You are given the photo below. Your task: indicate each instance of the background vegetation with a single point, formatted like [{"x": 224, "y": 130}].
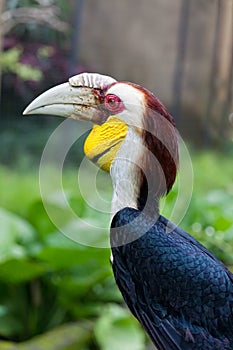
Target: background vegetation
[
  {"x": 46, "y": 280},
  {"x": 55, "y": 293}
]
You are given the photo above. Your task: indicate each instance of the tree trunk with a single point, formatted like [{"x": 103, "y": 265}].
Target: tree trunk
[{"x": 219, "y": 99}]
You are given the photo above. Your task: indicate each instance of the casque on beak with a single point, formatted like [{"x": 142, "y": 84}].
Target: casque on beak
[{"x": 80, "y": 99}]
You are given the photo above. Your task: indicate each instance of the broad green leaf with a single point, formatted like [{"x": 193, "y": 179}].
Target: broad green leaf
[
  {"x": 77, "y": 285},
  {"x": 67, "y": 337},
  {"x": 19, "y": 270},
  {"x": 116, "y": 329},
  {"x": 39, "y": 219},
  {"x": 73, "y": 336},
  {"x": 15, "y": 234},
  {"x": 10, "y": 325},
  {"x": 58, "y": 257}
]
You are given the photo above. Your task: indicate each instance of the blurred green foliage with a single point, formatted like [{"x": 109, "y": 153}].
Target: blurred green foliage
[
  {"x": 10, "y": 61},
  {"x": 49, "y": 282},
  {"x": 209, "y": 216}
]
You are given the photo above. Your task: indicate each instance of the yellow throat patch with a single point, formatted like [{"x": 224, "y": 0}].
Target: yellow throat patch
[{"x": 104, "y": 141}]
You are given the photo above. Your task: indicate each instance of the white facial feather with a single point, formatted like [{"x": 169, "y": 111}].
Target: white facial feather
[
  {"x": 125, "y": 167},
  {"x": 133, "y": 100}
]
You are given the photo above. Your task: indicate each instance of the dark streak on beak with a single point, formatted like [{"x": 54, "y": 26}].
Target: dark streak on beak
[{"x": 81, "y": 98}]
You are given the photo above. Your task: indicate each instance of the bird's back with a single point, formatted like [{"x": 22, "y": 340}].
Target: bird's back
[{"x": 179, "y": 291}]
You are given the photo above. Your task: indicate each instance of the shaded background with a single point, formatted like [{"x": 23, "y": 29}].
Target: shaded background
[{"x": 51, "y": 288}]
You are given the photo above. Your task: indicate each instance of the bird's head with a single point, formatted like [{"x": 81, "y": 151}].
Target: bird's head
[{"x": 128, "y": 120}]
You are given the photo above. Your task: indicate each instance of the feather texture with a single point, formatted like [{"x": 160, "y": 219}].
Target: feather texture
[{"x": 179, "y": 291}]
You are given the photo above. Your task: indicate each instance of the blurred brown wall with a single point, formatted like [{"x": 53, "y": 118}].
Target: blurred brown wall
[{"x": 138, "y": 41}]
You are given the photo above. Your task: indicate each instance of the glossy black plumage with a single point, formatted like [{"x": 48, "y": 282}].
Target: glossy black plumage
[{"x": 178, "y": 290}]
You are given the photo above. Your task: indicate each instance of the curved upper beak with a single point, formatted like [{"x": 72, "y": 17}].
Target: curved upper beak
[{"x": 79, "y": 98}]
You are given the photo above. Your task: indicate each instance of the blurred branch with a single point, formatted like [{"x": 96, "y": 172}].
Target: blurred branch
[{"x": 47, "y": 15}]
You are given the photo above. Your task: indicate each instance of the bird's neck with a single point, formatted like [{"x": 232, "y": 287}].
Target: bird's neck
[{"x": 129, "y": 186}]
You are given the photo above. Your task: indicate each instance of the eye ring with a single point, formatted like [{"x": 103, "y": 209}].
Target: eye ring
[{"x": 113, "y": 103}]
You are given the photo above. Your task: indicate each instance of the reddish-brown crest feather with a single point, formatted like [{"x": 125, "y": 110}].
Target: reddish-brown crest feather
[{"x": 160, "y": 138}]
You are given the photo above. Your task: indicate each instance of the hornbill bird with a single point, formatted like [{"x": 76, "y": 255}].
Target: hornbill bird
[{"x": 177, "y": 289}]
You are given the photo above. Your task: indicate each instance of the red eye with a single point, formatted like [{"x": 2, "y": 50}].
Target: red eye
[{"x": 113, "y": 103}]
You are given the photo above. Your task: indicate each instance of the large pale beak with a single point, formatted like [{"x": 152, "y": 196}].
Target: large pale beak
[{"x": 80, "y": 98}]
